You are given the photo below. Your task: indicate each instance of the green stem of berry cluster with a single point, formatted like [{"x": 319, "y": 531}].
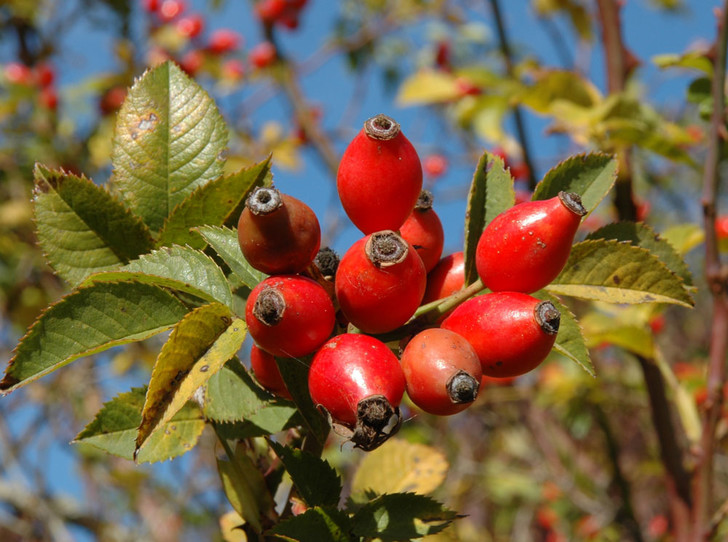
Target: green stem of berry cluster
[{"x": 431, "y": 312}]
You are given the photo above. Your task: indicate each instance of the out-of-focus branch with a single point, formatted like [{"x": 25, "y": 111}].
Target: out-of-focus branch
[
  {"x": 717, "y": 278},
  {"x": 517, "y": 116}
]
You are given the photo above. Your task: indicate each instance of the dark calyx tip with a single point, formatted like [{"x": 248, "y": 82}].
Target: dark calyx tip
[
  {"x": 381, "y": 127},
  {"x": 548, "y": 317},
  {"x": 327, "y": 261},
  {"x": 424, "y": 201},
  {"x": 385, "y": 248},
  {"x": 263, "y": 200},
  {"x": 376, "y": 421},
  {"x": 572, "y": 202},
  {"x": 462, "y": 388},
  {"x": 269, "y": 307}
]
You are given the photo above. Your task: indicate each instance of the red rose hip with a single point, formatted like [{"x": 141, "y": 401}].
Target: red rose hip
[
  {"x": 446, "y": 278},
  {"x": 380, "y": 282},
  {"x": 442, "y": 371},
  {"x": 524, "y": 248},
  {"x": 289, "y": 315},
  {"x": 379, "y": 176},
  {"x": 266, "y": 372},
  {"x": 511, "y": 332},
  {"x": 423, "y": 230},
  {"x": 278, "y": 234},
  {"x": 359, "y": 382}
]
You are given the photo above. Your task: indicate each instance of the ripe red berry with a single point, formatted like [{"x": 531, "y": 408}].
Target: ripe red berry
[
  {"x": 48, "y": 98},
  {"x": 151, "y": 6},
  {"x": 434, "y": 165},
  {"x": 171, "y": 9},
  {"x": 112, "y": 99},
  {"x": 423, "y": 230},
  {"x": 18, "y": 74},
  {"x": 190, "y": 26},
  {"x": 380, "y": 282},
  {"x": 511, "y": 332},
  {"x": 379, "y": 177},
  {"x": 192, "y": 62},
  {"x": 524, "y": 248},
  {"x": 289, "y": 315},
  {"x": 442, "y": 371},
  {"x": 267, "y": 373},
  {"x": 277, "y": 232},
  {"x": 446, "y": 278},
  {"x": 233, "y": 69},
  {"x": 359, "y": 382},
  {"x": 223, "y": 40},
  {"x": 263, "y": 55},
  {"x": 269, "y": 11},
  {"x": 44, "y": 75}
]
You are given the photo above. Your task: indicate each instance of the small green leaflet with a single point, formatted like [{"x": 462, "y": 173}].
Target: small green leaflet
[
  {"x": 89, "y": 320},
  {"x": 607, "y": 270},
  {"x": 82, "y": 228},
  {"x": 591, "y": 176},
  {"x": 115, "y": 428},
  {"x": 197, "y": 348},
  {"x": 231, "y": 395},
  {"x": 212, "y": 204},
  {"x": 224, "y": 241},
  {"x": 491, "y": 193},
  {"x": 169, "y": 140},
  {"x": 314, "y": 525},
  {"x": 180, "y": 268}
]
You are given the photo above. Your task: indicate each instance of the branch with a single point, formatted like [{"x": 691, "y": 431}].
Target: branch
[
  {"x": 717, "y": 280},
  {"x": 517, "y": 117}
]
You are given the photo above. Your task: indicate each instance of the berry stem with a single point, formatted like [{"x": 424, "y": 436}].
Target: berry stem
[{"x": 432, "y": 311}]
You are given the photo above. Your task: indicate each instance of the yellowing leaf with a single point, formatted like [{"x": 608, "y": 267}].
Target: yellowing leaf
[
  {"x": 428, "y": 87},
  {"x": 401, "y": 466},
  {"x": 230, "y": 524}
]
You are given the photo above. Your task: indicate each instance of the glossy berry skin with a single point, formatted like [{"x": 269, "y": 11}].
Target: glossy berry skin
[
  {"x": 263, "y": 55},
  {"x": 224, "y": 40},
  {"x": 524, "y": 248},
  {"x": 423, "y": 230},
  {"x": 442, "y": 371},
  {"x": 380, "y": 297},
  {"x": 289, "y": 316},
  {"x": 379, "y": 177},
  {"x": 447, "y": 277},
  {"x": 511, "y": 332},
  {"x": 266, "y": 372},
  {"x": 349, "y": 368},
  {"x": 277, "y": 233}
]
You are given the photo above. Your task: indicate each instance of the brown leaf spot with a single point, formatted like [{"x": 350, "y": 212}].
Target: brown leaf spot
[{"x": 616, "y": 279}]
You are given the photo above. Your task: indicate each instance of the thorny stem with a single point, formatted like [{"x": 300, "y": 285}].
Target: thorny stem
[
  {"x": 517, "y": 116},
  {"x": 717, "y": 279}
]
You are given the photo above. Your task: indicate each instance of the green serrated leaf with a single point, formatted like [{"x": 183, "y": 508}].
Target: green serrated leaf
[
  {"x": 115, "y": 427},
  {"x": 197, "y": 348},
  {"x": 570, "y": 342},
  {"x": 589, "y": 175},
  {"x": 400, "y": 466},
  {"x": 275, "y": 416},
  {"x": 87, "y": 321},
  {"x": 684, "y": 237},
  {"x": 552, "y": 86},
  {"x": 211, "y": 205},
  {"x": 224, "y": 241},
  {"x": 314, "y": 525},
  {"x": 169, "y": 140},
  {"x": 635, "y": 337},
  {"x": 231, "y": 395},
  {"x": 401, "y": 516},
  {"x": 180, "y": 268},
  {"x": 245, "y": 487},
  {"x": 491, "y": 193},
  {"x": 82, "y": 228},
  {"x": 615, "y": 272},
  {"x": 317, "y": 482},
  {"x": 641, "y": 235}
]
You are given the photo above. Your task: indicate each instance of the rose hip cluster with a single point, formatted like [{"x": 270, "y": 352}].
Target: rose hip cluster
[{"x": 381, "y": 281}]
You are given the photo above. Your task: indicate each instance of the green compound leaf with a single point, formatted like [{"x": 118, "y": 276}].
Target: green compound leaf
[
  {"x": 641, "y": 235},
  {"x": 89, "y": 320},
  {"x": 224, "y": 241},
  {"x": 197, "y": 348},
  {"x": 589, "y": 175},
  {"x": 491, "y": 193},
  {"x": 180, "y": 268},
  {"x": 314, "y": 525},
  {"x": 169, "y": 141},
  {"x": 115, "y": 428},
  {"x": 275, "y": 416},
  {"x": 570, "y": 341},
  {"x": 231, "y": 395},
  {"x": 212, "y": 204},
  {"x": 317, "y": 482},
  {"x": 607, "y": 270},
  {"x": 401, "y": 516},
  {"x": 82, "y": 228}
]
